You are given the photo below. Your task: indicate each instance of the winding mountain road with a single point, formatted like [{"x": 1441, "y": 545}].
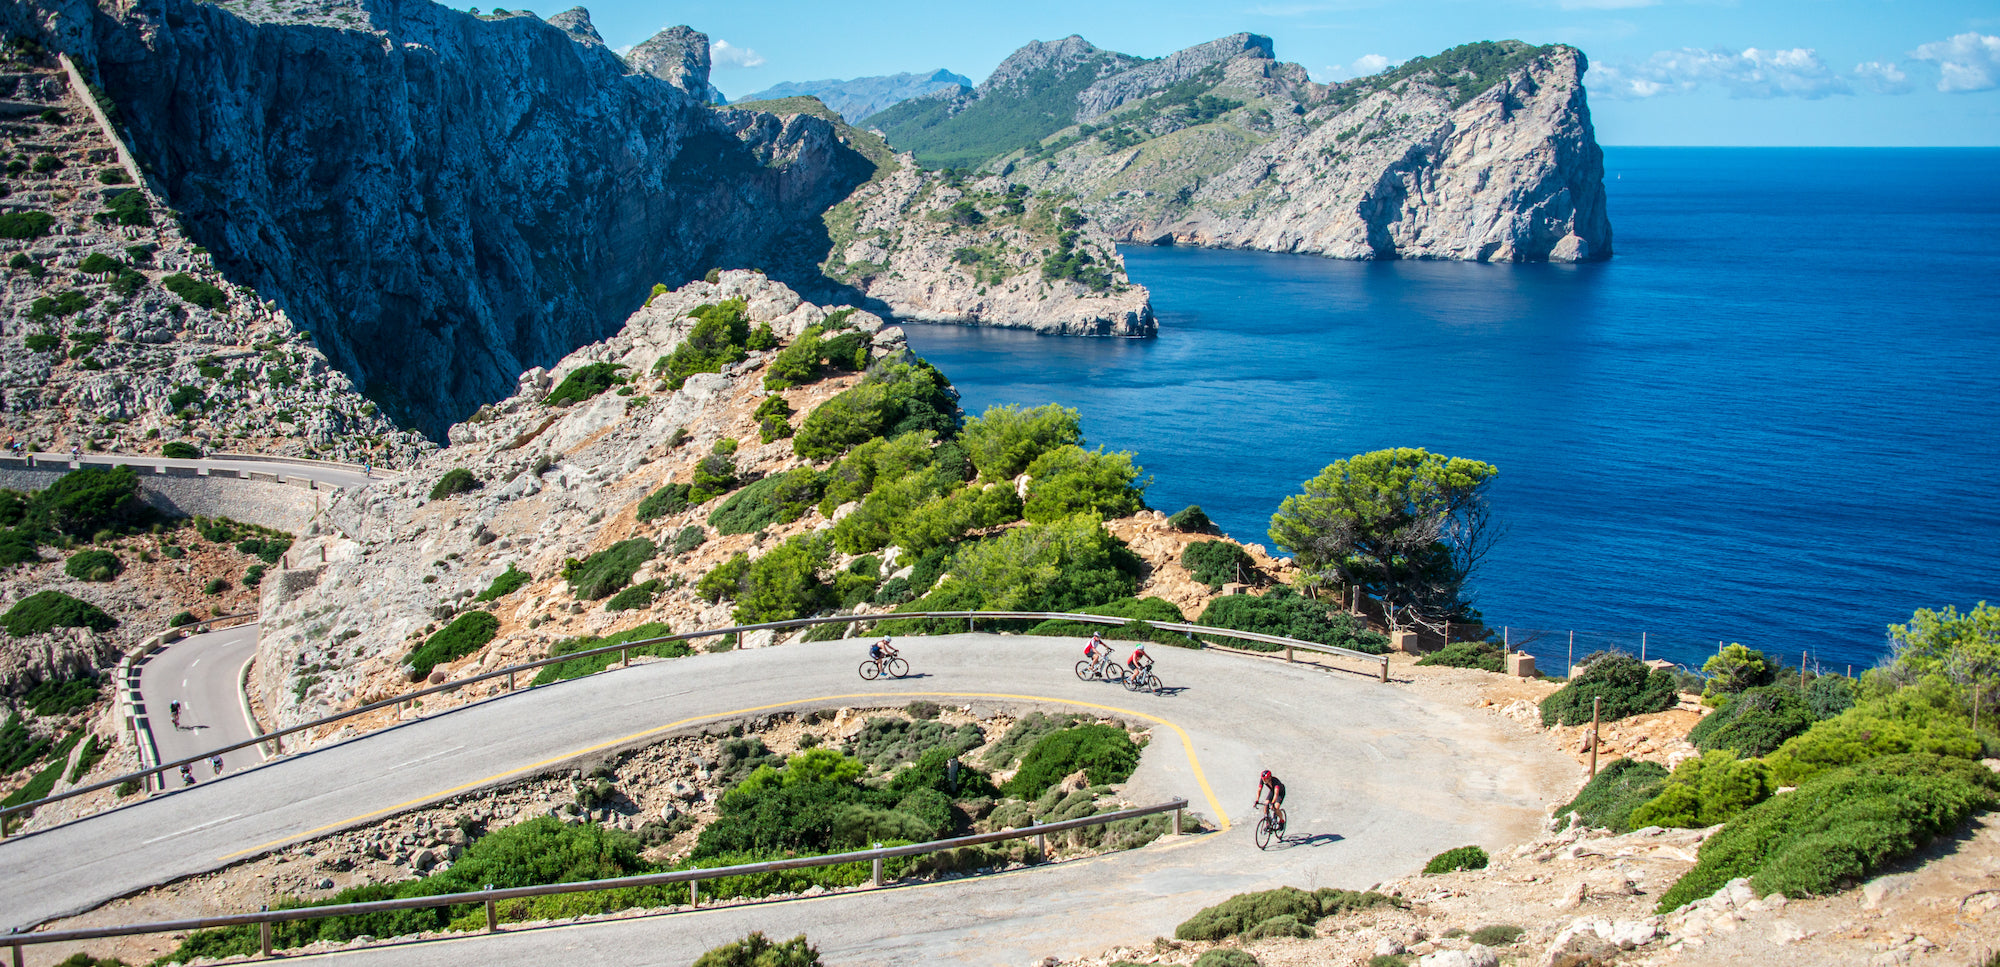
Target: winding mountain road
[
  {"x": 1379, "y": 780},
  {"x": 334, "y": 474},
  {"x": 204, "y": 673}
]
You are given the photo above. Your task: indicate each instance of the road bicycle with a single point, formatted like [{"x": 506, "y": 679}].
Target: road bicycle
[
  {"x": 1143, "y": 680},
  {"x": 1270, "y": 826},
  {"x": 1103, "y": 671},
  {"x": 892, "y": 667}
]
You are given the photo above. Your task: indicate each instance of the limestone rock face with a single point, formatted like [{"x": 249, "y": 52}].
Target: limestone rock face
[
  {"x": 1127, "y": 86},
  {"x": 446, "y": 200},
  {"x": 933, "y": 250},
  {"x": 1513, "y": 174}
]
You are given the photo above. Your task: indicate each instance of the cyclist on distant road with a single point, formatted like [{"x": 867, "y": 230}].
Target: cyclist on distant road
[
  {"x": 1140, "y": 661},
  {"x": 1096, "y": 650},
  {"x": 174, "y": 712},
  {"x": 215, "y": 762},
  {"x": 882, "y": 651},
  {"x": 187, "y": 775},
  {"x": 1272, "y": 792}
]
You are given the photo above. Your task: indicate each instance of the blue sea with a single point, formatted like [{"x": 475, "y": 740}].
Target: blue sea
[{"x": 1773, "y": 417}]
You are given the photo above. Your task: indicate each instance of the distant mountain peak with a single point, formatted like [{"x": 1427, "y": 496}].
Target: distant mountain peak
[
  {"x": 862, "y": 96},
  {"x": 679, "y": 56}
]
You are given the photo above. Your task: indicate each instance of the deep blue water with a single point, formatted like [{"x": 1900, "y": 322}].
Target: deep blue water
[{"x": 1773, "y": 418}]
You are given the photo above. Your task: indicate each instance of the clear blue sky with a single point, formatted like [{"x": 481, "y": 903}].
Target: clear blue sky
[{"x": 1711, "y": 72}]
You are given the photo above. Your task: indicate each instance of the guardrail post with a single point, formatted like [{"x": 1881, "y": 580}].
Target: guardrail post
[
  {"x": 492, "y": 915},
  {"x": 1288, "y": 653},
  {"x": 1385, "y": 671},
  {"x": 624, "y": 657},
  {"x": 1042, "y": 845},
  {"x": 264, "y": 930},
  {"x": 878, "y": 871},
  {"x": 510, "y": 681},
  {"x": 17, "y": 953},
  {"x": 1177, "y": 822},
  {"x": 694, "y": 893}
]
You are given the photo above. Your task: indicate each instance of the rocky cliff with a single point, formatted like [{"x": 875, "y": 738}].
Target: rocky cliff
[
  {"x": 862, "y": 96},
  {"x": 446, "y": 199},
  {"x": 1483, "y": 152}
]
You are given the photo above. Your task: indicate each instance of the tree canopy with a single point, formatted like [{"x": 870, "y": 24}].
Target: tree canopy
[{"x": 1406, "y": 526}]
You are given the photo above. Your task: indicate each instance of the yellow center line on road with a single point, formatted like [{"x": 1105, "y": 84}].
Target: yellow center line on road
[{"x": 1187, "y": 744}]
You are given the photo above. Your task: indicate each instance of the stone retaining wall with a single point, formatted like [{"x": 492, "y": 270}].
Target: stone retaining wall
[{"x": 185, "y": 491}]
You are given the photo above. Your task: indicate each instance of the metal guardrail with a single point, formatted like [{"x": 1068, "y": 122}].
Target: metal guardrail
[
  {"x": 692, "y": 878},
  {"x": 159, "y": 770}
]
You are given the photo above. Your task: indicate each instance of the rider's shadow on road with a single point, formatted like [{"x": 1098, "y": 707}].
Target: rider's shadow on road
[{"x": 1316, "y": 839}]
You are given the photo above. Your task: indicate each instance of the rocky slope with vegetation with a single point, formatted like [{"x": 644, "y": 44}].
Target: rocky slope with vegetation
[
  {"x": 857, "y": 98},
  {"x": 1483, "y": 152},
  {"x": 120, "y": 334}
]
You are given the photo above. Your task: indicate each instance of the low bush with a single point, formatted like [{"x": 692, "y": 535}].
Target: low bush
[
  {"x": 885, "y": 742},
  {"x": 1072, "y": 564},
  {"x": 1191, "y": 520},
  {"x": 26, "y": 225},
  {"x": 62, "y": 696},
  {"x": 183, "y": 618},
  {"x": 179, "y": 450},
  {"x": 785, "y": 583},
  {"x": 84, "y": 502},
  {"x": 1753, "y": 722},
  {"x": 1708, "y": 790},
  {"x": 1279, "y": 926},
  {"x": 1246, "y": 910},
  {"x": 506, "y": 583},
  {"x": 757, "y": 951},
  {"x": 1467, "y": 654},
  {"x": 1461, "y": 858},
  {"x": 215, "y": 586},
  {"x": 20, "y": 748},
  {"x": 18, "y": 546},
  {"x": 1226, "y": 957},
  {"x": 87, "y": 759},
  {"x": 46, "y": 610},
  {"x": 1215, "y": 563},
  {"x": 1004, "y": 440},
  {"x": 669, "y": 499},
  {"x": 267, "y": 549},
  {"x": 1734, "y": 669},
  {"x": 1283, "y": 612},
  {"x": 457, "y": 480},
  {"x": 777, "y": 499},
  {"x": 194, "y": 291},
  {"x": 690, "y": 537},
  {"x": 605, "y": 572},
  {"x": 717, "y": 339},
  {"x": 1625, "y": 684},
  {"x": 591, "y": 665},
  {"x": 1105, "y": 753},
  {"x": 895, "y": 398},
  {"x": 93, "y": 565},
  {"x": 1496, "y": 935},
  {"x": 1022, "y": 736},
  {"x": 1910, "y": 720},
  {"x": 583, "y": 383},
  {"x": 1607, "y": 801},
  {"x": 43, "y": 782},
  {"x": 1839, "y": 828},
  {"x": 635, "y": 597},
  {"x": 713, "y": 477},
  {"x": 466, "y": 634},
  {"x": 1139, "y": 610},
  {"x": 1071, "y": 480},
  {"x": 1828, "y": 696}
]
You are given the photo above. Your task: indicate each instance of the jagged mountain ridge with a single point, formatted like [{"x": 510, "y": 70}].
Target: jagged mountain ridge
[
  {"x": 447, "y": 199},
  {"x": 1483, "y": 152},
  {"x": 860, "y": 97}
]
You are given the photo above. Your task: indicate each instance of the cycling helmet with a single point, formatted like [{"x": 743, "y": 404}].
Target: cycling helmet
[{"x": 1267, "y": 774}]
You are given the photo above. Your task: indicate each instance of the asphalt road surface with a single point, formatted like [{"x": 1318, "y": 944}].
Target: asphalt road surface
[
  {"x": 337, "y": 475},
  {"x": 1379, "y": 781},
  {"x": 204, "y": 673}
]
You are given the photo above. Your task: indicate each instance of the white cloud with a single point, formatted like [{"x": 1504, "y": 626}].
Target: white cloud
[
  {"x": 724, "y": 55},
  {"x": 1797, "y": 72},
  {"x": 1363, "y": 66},
  {"x": 1967, "y": 62},
  {"x": 1882, "y": 77}
]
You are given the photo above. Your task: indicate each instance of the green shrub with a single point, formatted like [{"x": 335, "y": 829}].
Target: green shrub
[
  {"x": 756, "y": 951},
  {"x": 45, "y": 610},
  {"x": 724, "y": 580},
  {"x": 635, "y": 597},
  {"x": 185, "y": 396},
  {"x": 43, "y": 782},
  {"x": 506, "y": 583},
  {"x": 1453, "y": 860},
  {"x": 1246, "y": 910},
  {"x": 605, "y": 572},
  {"x": 591, "y": 665},
  {"x": 717, "y": 339},
  {"x": 777, "y": 499},
  {"x": 1734, "y": 669},
  {"x": 1215, "y": 563},
  {"x": 93, "y": 566},
  {"x": 178, "y": 450},
  {"x": 1191, "y": 520},
  {"x": 195, "y": 292},
  {"x": 25, "y": 225},
  {"x": 885, "y": 742},
  {"x": 1753, "y": 722},
  {"x": 1140, "y": 610},
  {"x": 583, "y": 383},
  {"x": 267, "y": 549},
  {"x": 784, "y": 583},
  {"x": 1906, "y": 721},
  {"x": 183, "y": 618},
  {"x": 894, "y": 399},
  {"x": 1284, "y": 613},
  {"x": 1071, "y": 480},
  {"x": 1022, "y": 736},
  {"x": 669, "y": 499},
  {"x": 93, "y": 752},
  {"x": 215, "y": 586},
  {"x": 941, "y": 520},
  {"x": 1467, "y": 654},
  {"x": 84, "y": 502},
  {"x": 42, "y": 341},
  {"x": 1706, "y": 791},
  {"x": 1828, "y": 696},
  {"x": 98, "y": 263},
  {"x": 1839, "y": 828},
  {"x": 62, "y": 696},
  {"x": 1105, "y": 753},
  {"x": 20, "y": 748},
  {"x": 1625, "y": 684},
  {"x": 253, "y": 575},
  {"x": 1226, "y": 957},
  {"x": 1004, "y": 440},
  {"x": 466, "y": 634},
  {"x": 1068, "y": 565},
  {"x": 457, "y": 480},
  {"x": 1607, "y": 801},
  {"x": 1279, "y": 926},
  {"x": 796, "y": 364},
  {"x": 1496, "y": 935},
  {"x": 690, "y": 537},
  {"x": 713, "y": 477},
  {"x": 773, "y": 419}
]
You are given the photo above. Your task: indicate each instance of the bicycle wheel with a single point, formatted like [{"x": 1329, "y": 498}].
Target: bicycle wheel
[
  {"x": 1135, "y": 681},
  {"x": 1114, "y": 672},
  {"x": 1083, "y": 670},
  {"x": 1264, "y": 832},
  {"x": 898, "y": 668},
  {"x": 869, "y": 671}
]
